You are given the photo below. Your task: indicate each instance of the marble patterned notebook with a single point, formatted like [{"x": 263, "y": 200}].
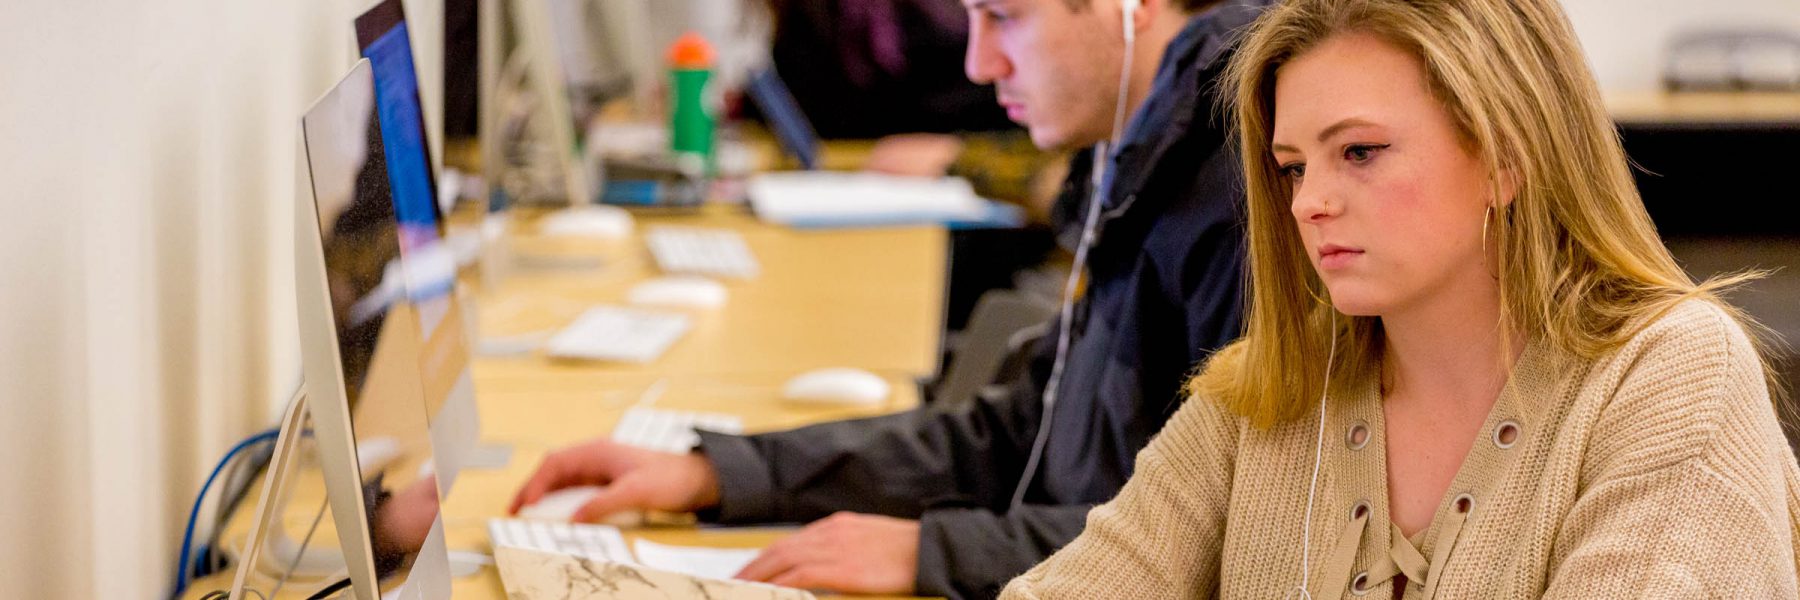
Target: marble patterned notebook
[{"x": 533, "y": 575}]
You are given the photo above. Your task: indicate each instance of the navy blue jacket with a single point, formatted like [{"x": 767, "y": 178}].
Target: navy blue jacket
[{"x": 1165, "y": 290}]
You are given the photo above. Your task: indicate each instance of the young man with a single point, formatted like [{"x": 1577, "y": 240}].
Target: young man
[{"x": 923, "y": 499}]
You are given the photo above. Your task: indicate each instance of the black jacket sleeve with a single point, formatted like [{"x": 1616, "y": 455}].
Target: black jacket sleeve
[
  {"x": 969, "y": 455},
  {"x": 972, "y": 553},
  {"x": 952, "y": 467}
]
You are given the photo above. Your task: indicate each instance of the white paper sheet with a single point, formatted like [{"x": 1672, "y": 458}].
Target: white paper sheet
[
  {"x": 711, "y": 563},
  {"x": 823, "y": 198}
]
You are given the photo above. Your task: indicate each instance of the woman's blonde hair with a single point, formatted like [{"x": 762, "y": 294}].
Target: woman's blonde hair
[{"x": 1580, "y": 264}]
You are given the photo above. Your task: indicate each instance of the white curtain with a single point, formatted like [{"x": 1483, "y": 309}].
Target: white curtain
[{"x": 147, "y": 175}]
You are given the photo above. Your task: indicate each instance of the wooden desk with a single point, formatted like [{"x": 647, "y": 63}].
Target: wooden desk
[
  {"x": 1697, "y": 159},
  {"x": 535, "y": 420},
  {"x": 1704, "y": 107},
  {"x": 869, "y": 299}
]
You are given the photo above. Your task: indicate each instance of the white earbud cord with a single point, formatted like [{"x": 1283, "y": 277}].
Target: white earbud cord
[
  {"x": 1313, "y": 488},
  {"x": 1066, "y": 313}
]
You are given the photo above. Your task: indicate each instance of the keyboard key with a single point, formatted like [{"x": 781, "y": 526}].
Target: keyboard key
[
  {"x": 691, "y": 250},
  {"x": 595, "y": 542},
  {"x": 619, "y": 334},
  {"x": 670, "y": 430}
]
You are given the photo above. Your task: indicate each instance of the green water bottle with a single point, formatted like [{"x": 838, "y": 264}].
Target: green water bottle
[{"x": 690, "y": 123}]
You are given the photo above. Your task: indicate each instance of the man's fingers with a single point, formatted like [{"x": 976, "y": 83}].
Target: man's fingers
[
  {"x": 621, "y": 496},
  {"x": 547, "y": 478},
  {"x": 806, "y": 577},
  {"x": 778, "y": 557}
]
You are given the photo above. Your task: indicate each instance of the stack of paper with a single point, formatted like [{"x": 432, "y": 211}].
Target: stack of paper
[
  {"x": 838, "y": 199},
  {"x": 534, "y": 575},
  {"x": 709, "y": 563}
]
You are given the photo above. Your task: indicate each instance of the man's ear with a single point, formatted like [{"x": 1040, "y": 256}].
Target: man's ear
[{"x": 1146, "y": 12}]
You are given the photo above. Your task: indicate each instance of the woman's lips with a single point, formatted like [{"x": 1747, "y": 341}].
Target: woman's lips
[{"x": 1332, "y": 256}]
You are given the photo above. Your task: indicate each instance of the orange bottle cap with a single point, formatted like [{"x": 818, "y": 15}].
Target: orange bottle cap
[{"x": 691, "y": 52}]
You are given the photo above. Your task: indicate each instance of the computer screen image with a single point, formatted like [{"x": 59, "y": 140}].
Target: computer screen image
[
  {"x": 362, "y": 348},
  {"x": 428, "y": 265},
  {"x": 381, "y": 35},
  {"x": 791, "y": 127}
]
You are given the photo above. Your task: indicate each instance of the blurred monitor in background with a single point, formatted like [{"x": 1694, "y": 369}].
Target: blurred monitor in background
[{"x": 870, "y": 68}]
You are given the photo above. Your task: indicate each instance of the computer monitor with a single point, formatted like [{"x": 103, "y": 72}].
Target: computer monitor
[
  {"x": 596, "y": 63},
  {"x": 533, "y": 137},
  {"x": 792, "y": 128},
  {"x": 427, "y": 261},
  {"x": 361, "y": 345}
]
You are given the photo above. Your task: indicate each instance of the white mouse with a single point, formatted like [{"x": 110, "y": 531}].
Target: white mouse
[
  {"x": 837, "y": 386},
  {"x": 680, "y": 290},
  {"x": 561, "y": 506},
  {"x": 592, "y": 221}
]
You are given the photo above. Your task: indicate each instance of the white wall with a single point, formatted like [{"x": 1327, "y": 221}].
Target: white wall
[
  {"x": 1624, "y": 39},
  {"x": 147, "y": 175}
]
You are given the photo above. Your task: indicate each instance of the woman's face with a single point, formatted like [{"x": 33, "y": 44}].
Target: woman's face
[{"x": 1388, "y": 199}]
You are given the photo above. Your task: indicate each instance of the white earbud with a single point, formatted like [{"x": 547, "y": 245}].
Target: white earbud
[
  {"x": 1300, "y": 592},
  {"x": 1130, "y": 8},
  {"x": 1052, "y": 387}
]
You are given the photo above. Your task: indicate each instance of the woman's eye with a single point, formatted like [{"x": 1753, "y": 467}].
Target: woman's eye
[
  {"x": 1362, "y": 152},
  {"x": 1292, "y": 171}
]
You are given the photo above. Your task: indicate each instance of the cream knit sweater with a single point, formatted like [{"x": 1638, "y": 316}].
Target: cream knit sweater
[{"x": 1656, "y": 472}]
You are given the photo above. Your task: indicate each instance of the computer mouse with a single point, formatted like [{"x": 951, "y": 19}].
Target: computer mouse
[
  {"x": 592, "y": 221},
  {"x": 836, "y": 386},
  {"x": 679, "y": 290},
  {"x": 561, "y": 506}
]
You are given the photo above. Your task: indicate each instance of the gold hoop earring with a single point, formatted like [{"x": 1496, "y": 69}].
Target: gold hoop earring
[{"x": 1493, "y": 269}]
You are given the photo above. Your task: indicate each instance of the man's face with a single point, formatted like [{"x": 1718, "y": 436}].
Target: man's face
[{"x": 1055, "y": 70}]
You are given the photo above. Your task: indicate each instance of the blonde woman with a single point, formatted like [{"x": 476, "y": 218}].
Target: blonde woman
[{"x": 1472, "y": 370}]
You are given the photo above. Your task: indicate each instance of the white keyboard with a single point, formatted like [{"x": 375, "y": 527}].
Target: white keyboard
[
  {"x": 619, "y": 334},
  {"x": 695, "y": 251},
  {"x": 593, "y": 542},
  {"x": 670, "y": 430}
]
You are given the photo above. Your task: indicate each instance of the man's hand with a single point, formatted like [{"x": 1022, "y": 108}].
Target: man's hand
[
  {"x": 403, "y": 521},
  {"x": 845, "y": 552},
  {"x": 633, "y": 478},
  {"x": 914, "y": 154}
]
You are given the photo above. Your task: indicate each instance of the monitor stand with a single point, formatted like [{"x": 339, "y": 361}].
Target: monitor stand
[
  {"x": 265, "y": 532},
  {"x": 269, "y": 541}
]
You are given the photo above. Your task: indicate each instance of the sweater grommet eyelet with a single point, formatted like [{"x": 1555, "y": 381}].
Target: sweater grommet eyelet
[
  {"x": 1463, "y": 503},
  {"x": 1360, "y": 509},
  {"x": 1506, "y": 434},
  {"x": 1357, "y": 437},
  {"x": 1359, "y": 585}
]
